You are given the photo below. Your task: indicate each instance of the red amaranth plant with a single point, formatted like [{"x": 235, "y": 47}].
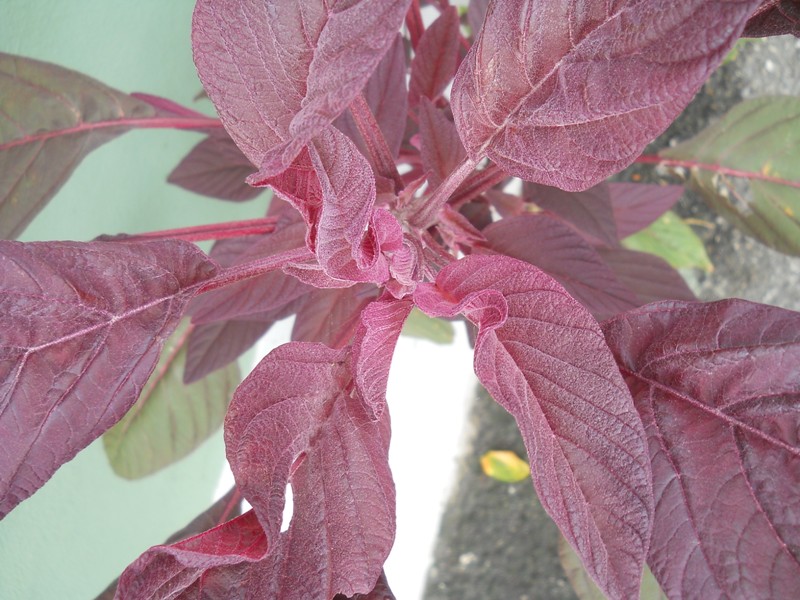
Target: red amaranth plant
[{"x": 665, "y": 434}]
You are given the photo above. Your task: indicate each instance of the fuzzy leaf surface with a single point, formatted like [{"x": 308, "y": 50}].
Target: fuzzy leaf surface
[
  {"x": 169, "y": 419},
  {"x": 566, "y": 93},
  {"x": 50, "y": 119},
  {"x": 292, "y": 421},
  {"x": 280, "y": 72},
  {"x": 81, "y": 329},
  {"x": 562, "y": 253},
  {"x": 718, "y": 389},
  {"x": 215, "y": 167},
  {"x": 762, "y": 136},
  {"x": 542, "y": 356}
]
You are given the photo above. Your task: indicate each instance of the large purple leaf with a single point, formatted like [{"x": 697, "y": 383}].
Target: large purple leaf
[
  {"x": 386, "y": 96},
  {"x": 718, "y": 389},
  {"x": 543, "y": 358},
  {"x": 562, "y": 253},
  {"x": 81, "y": 329},
  {"x": 215, "y": 167},
  {"x": 293, "y": 421},
  {"x": 591, "y": 211},
  {"x": 50, "y": 118},
  {"x": 436, "y": 58},
  {"x": 279, "y": 72},
  {"x": 566, "y": 93}
]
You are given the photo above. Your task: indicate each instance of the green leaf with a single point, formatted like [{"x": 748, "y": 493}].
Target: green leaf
[
  {"x": 673, "y": 240},
  {"x": 420, "y": 325},
  {"x": 505, "y": 466},
  {"x": 170, "y": 419},
  {"x": 747, "y": 169},
  {"x": 586, "y": 589},
  {"x": 50, "y": 119}
]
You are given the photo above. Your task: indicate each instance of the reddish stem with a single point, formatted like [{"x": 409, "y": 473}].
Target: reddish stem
[
  {"x": 414, "y": 23},
  {"x": 256, "y": 267},
  {"x": 650, "y": 159},
  {"x": 477, "y": 183},
  {"x": 428, "y": 213},
  {"x": 375, "y": 141},
  {"x": 146, "y": 123},
  {"x": 215, "y": 231}
]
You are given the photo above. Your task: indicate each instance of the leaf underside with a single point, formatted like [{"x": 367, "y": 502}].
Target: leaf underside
[
  {"x": 718, "y": 389},
  {"x": 81, "y": 329}
]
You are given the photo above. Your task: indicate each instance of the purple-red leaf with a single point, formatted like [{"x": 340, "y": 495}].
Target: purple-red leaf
[
  {"x": 649, "y": 277},
  {"x": 293, "y": 421},
  {"x": 211, "y": 346},
  {"x": 217, "y": 168},
  {"x": 440, "y": 146},
  {"x": 774, "y": 17},
  {"x": 81, "y": 329},
  {"x": 637, "y": 205},
  {"x": 330, "y": 316},
  {"x": 561, "y": 252},
  {"x": 218, "y": 564},
  {"x": 566, "y": 93},
  {"x": 386, "y": 96},
  {"x": 543, "y": 357},
  {"x": 436, "y": 58},
  {"x": 373, "y": 348},
  {"x": 280, "y": 72},
  {"x": 349, "y": 235},
  {"x": 591, "y": 211},
  {"x": 226, "y": 508},
  {"x": 381, "y": 591},
  {"x": 718, "y": 388}
]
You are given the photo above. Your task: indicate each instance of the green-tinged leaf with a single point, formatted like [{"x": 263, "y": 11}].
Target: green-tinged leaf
[
  {"x": 170, "y": 419},
  {"x": 420, "y": 325},
  {"x": 50, "y": 119},
  {"x": 586, "y": 589},
  {"x": 673, "y": 240},
  {"x": 505, "y": 466},
  {"x": 748, "y": 169}
]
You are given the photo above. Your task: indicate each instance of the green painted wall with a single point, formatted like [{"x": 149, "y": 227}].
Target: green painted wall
[{"x": 77, "y": 533}]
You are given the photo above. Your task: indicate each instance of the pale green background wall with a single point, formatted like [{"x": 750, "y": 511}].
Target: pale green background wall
[{"x": 76, "y": 534}]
